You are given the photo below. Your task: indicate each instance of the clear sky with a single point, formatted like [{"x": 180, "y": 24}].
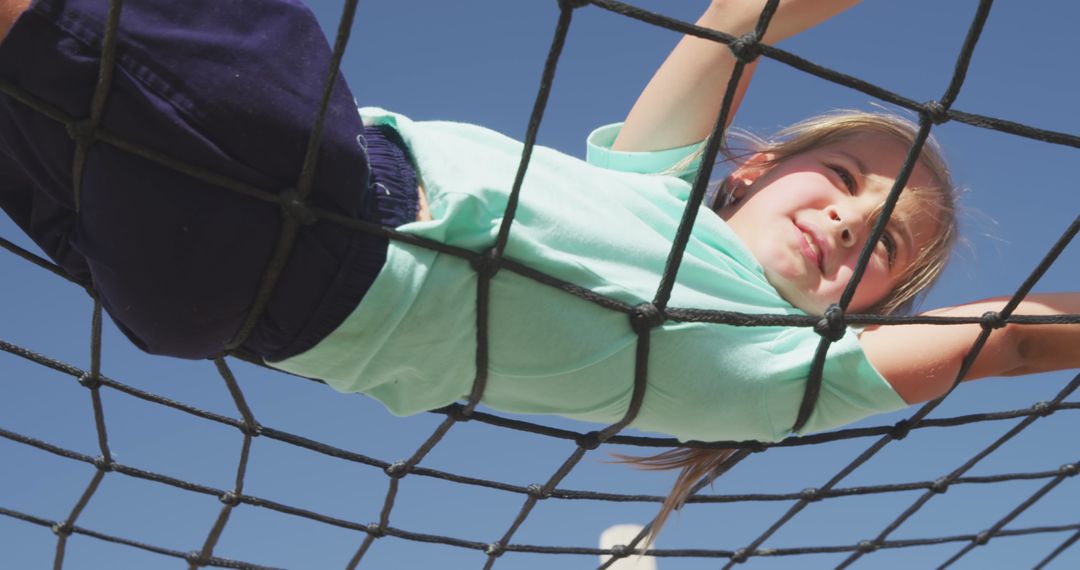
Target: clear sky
[{"x": 480, "y": 61}]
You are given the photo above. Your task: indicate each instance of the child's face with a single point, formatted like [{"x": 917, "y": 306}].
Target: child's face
[{"x": 806, "y": 219}]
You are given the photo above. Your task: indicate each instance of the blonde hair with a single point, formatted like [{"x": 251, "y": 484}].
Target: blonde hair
[{"x": 698, "y": 465}]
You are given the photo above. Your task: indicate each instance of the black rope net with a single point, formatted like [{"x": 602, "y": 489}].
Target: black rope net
[{"x": 368, "y": 528}]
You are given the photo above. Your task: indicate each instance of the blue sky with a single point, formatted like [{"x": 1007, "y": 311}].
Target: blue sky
[{"x": 479, "y": 61}]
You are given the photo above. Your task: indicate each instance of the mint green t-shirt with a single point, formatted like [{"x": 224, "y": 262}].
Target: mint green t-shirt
[{"x": 605, "y": 225}]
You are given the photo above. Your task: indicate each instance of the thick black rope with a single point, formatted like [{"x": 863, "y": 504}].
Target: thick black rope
[
  {"x": 746, "y": 50},
  {"x": 84, "y": 133},
  {"x": 213, "y": 561},
  {"x": 810, "y": 494},
  {"x": 92, "y": 382},
  {"x": 1061, "y": 548},
  {"x": 945, "y": 481},
  {"x": 988, "y": 534},
  {"x": 643, "y": 319},
  {"x": 295, "y": 212},
  {"x": 1039, "y": 409},
  {"x": 661, "y": 553}
]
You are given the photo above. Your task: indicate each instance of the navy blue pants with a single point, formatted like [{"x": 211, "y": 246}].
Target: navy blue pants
[{"x": 230, "y": 86}]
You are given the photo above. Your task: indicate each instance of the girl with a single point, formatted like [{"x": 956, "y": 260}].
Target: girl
[{"x": 177, "y": 261}]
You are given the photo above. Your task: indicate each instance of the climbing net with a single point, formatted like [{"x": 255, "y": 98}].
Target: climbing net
[{"x": 643, "y": 319}]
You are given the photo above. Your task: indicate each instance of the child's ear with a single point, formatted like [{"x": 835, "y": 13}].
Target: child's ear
[
  {"x": 753, "y": 168},
  {"x": 743, "y": 178}
]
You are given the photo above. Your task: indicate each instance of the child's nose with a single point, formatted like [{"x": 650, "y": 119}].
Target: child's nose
[{"x": 845, "y": 235}]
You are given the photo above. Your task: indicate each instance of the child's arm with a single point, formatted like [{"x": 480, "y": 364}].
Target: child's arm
[
  {"x": 922, "y": 361},
  {"x": 680, "y": 103},
  {"x": 10, "y": 10}
]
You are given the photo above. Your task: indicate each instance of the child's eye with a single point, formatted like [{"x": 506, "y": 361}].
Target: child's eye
[
  {"x": 845, "y": 177},
  {"x": 890, "y": 248}
]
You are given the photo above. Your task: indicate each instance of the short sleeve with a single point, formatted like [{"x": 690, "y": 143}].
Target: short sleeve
[
  {"x": 851, "y": 388},
  {"x": 599, "y": 153}
]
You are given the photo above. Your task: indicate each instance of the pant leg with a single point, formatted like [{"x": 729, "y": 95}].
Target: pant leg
[{"x": 228, "y": 86}]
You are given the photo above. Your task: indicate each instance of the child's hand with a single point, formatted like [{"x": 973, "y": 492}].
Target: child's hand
[{"x": 792, "y": 16}]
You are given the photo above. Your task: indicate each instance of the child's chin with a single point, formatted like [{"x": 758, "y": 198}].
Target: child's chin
[
  {"x": 797, "y": 298},
  {"x": 815, "y": 309}
]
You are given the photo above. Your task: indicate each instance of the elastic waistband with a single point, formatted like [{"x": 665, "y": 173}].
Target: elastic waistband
[
  {"x": 391, "y": 200},
  {"x": 393, "y": 184}
]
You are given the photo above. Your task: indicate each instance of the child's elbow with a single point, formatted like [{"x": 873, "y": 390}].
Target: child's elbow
[{"x": 1003, "y": 354}]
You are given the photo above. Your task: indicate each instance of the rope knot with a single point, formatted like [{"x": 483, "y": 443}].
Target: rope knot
[
  {"x": 537, "y": 491},
  {"x": 900, "y": 430},
  {"x": 589, "y": 441},
  {"x": 936, "y": 112},
  {"x": 195, "y": 558},
  {"x": 646, "y": 317},
  {"x": 230, "y": 498},
  {"x": 375, "y": 530},
  {"x": 1042, "y": 409},
  {"x": 486, "y": 264},
  {"x": 1069, "y": 469},
  {"x": 495, "y": 549},
  {"x": 982, "y": 538},
  {"x": 103, "y": 464},
  {"x": 82, "y": 131},
  {"x": 739, "y": 556},
  {"x": 746, "y": 47},
  {"x": 753, "y": 446},
  {"x": 62, "y": 529},
  {"x": 940, "y": 485},
  {"x": 458, "y": 414},
  {"x": 991, "y": 320},
  {"x": 252, "y": 429},
  {"x": 90, "y": 381},
  {"x": 831, "y": 325},
  {"x": 397, "y": 470},
  {"x": 810, "y": 494},
  {"x": 866, "y": 546},
  {"x": 293, "y": 205}
]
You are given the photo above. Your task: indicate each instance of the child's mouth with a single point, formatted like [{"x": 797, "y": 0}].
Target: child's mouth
[{"x": 814, "y": 249}]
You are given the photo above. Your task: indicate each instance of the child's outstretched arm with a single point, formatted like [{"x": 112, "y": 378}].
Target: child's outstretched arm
[
  {"x": 680, "y": 103},
  {"x": 922, "y": 361}
]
